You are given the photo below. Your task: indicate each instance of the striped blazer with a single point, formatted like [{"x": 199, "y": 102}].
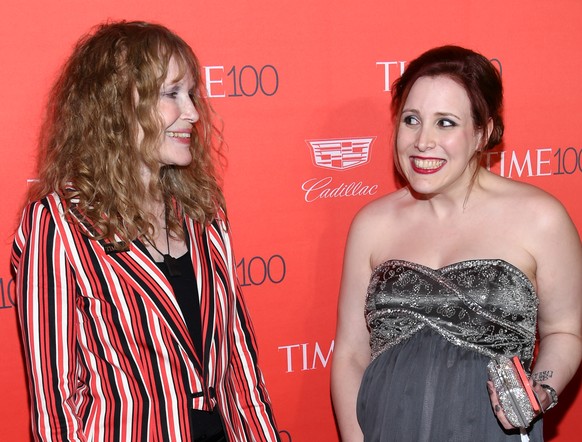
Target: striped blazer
[{"x": 108, "y": 354}]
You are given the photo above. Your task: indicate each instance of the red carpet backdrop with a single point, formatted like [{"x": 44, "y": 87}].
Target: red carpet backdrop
[{"x": 302, "y": 88}]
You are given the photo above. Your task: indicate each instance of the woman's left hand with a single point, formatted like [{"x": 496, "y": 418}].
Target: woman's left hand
[
  {"x": 497, "y": 409},
  {"x": 542, "y": 395}
]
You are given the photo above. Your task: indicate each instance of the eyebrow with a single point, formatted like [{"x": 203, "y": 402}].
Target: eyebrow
[
  {"x": 172, "y": 87},
  {"x": 175, "y": 82},
  {"x": 439, "y": 114}
]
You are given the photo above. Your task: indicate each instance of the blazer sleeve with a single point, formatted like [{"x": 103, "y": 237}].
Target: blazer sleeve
[
  {"x": 253, "y": 402},
  {"x": 252, "y": 399},
  {"x": 45, "y": 293}
]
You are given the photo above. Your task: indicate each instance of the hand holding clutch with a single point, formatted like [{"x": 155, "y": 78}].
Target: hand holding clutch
[{"x": 516, "y": 397}]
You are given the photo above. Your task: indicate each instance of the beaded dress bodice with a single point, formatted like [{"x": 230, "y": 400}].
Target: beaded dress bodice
[{"x": 486, "y": 305}]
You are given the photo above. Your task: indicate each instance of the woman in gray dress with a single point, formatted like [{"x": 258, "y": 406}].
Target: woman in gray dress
[{"x": 457, "y": 267}]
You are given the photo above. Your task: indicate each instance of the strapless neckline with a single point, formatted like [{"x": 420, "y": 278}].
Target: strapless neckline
[{"x": 466, "y": 263}]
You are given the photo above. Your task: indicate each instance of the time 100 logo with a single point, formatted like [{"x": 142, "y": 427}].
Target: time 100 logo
[
  {"x": 7, "y": 295},
  {"x": 258, "y": 270},
  {"x": 241, "y": 81}
]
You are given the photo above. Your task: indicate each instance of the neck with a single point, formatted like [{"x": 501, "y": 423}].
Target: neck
[{"x": 454, "y": 201}]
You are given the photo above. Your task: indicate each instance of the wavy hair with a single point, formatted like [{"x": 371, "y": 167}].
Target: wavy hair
[
  {"x": 474, "y": 73},
  {"x": 107, "y": 89}
]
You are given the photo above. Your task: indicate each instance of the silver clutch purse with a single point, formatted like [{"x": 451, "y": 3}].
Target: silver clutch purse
[{"x": 516, "y": 397}]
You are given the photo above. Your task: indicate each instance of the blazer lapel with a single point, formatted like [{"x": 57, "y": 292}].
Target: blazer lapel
[
  {"x": 204, "y": 271},
  {"x": 138, "y": 269}
]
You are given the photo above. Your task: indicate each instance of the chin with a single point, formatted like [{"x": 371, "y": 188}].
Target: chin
[
  {"x": 423, "y": 188},
  {"x": 182, "y": 159},
  {"x": 183, "y": 163}
]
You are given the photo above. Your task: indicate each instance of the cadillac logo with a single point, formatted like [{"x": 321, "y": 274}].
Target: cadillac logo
[{"x": 341, "y": 154}]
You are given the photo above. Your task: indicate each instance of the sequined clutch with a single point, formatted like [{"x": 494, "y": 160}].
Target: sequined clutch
[{"x": 516, "y": 396}]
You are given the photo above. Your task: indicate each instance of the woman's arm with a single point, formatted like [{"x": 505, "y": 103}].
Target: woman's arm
[
  {"x": 253, "y": 402},
  {"x": 252, "y": 399},
  {"x": 45, "y": 292},
  {"x": 558, "y": 255},
  {"x": 555, "y": 246},
  {"x": 352, "y": 348}
]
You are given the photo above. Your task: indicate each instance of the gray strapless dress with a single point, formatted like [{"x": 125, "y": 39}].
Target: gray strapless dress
[{"x": 432, "y": 333}]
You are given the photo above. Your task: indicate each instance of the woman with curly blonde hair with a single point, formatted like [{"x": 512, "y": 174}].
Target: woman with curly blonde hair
[{"x": 132, "y": 320}]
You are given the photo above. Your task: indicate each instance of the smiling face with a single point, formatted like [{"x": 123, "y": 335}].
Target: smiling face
[
  {"x": 436, "y": 139},
  {"x": 178, "y": 114}
]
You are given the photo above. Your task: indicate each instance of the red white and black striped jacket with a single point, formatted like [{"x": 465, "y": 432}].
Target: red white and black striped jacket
[{"x": 108, "y": 353}]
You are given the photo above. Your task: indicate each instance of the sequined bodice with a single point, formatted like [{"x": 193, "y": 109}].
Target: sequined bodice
[{"x": 485, "y": 305}]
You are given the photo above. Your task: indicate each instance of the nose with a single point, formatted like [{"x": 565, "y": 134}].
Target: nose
[
  {"x": 189, "y": 112},
  {"x": 425, "y": 139}
]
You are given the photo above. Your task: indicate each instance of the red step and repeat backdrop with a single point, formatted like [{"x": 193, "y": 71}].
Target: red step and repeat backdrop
[{"x": 291, "y": 81}]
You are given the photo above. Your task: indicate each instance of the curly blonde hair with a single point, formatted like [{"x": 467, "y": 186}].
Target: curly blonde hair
[{"x": 89, "y": 149}]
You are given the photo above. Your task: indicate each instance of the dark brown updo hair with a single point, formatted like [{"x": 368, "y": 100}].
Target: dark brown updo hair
[{"x": 474, "y": 72}]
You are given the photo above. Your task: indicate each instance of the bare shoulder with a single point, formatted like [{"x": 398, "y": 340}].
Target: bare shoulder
[
  {"x": 375, "y": 223},
  {"x": 380, "y": 212},
  {"x": 528, "y": 203}
]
